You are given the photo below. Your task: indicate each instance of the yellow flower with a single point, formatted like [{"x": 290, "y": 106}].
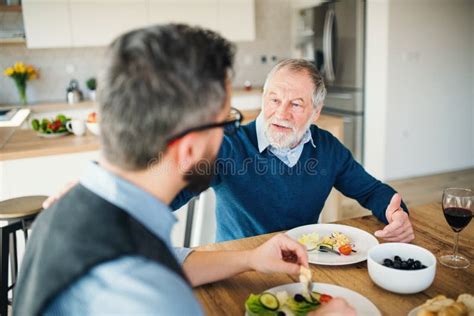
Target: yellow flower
[
  {"x": 19, "y": 67},
  {"x": 20, "y": 71},
  {"x": 9, "y": 71}
]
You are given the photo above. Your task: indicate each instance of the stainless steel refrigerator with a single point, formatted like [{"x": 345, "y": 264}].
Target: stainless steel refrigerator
[{"x": 333, "y": 36}]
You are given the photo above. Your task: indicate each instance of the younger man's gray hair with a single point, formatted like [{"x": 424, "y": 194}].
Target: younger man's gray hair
[{"x": 159, "y": 81}]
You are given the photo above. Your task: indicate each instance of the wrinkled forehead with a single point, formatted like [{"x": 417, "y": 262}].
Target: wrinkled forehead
[{"x": 286, "y": 83}]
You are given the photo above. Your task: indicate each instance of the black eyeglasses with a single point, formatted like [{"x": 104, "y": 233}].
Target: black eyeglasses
[{"x": 230, "y": 125}]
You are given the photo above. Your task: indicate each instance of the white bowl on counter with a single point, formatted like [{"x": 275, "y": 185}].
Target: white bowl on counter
[
  {"x": 401, "y": 281},
  {"x": 93, "y": 128}
]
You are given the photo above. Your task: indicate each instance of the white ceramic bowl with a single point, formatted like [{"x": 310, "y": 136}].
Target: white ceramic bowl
[
  {"x": 93, "y": 128},
  {"x": 401, "y": 281}
]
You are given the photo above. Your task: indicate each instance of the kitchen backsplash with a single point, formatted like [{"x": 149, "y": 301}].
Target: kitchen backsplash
[{"x": 58, "y": 66}]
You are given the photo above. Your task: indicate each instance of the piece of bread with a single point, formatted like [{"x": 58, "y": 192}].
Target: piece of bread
[
  {"x": 437, "y": 303},
  {"x": 440, "y": 305},
  {"x": 456, "y": 309},
  {"x": 424, "y": 312},
  {"x": 467, "y": 300}
]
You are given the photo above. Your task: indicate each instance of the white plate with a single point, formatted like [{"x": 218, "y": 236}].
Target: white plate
[
  {"x": 52, "y": 135},
  {"x": 414, "y": 311},
  {"x": 361, "y": 304},
  {"x": 362, "y": 241}
]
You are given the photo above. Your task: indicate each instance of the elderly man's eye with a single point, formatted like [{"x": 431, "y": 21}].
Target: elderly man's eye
[
  {"x": 274, "y": 100},
  {"x": 295, "y": 104}
]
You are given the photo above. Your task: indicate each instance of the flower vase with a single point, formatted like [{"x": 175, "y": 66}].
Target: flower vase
[{"x": 22, "y": 92}]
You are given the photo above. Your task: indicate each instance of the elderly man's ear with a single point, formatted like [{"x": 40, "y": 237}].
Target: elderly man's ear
[{"x": 317, "y": 113}]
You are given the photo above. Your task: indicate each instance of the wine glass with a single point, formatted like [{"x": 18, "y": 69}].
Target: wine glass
[{"x": 458, "y": 207}]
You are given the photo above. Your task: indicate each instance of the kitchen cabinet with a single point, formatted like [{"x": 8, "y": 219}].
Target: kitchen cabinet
[
  {"x": 97, "y": 23},
  {"x": 47, "y": 23},
  {"x": 81, "y": 23},
  {"x": 236, "y": 19},
  {"x": 193, "y": 12},
  {"x": 42, "y": 175},
  {"x": 305, "y": 4}
]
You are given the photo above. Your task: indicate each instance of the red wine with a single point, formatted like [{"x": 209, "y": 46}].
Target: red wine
[{"x": 457, "y": 217}]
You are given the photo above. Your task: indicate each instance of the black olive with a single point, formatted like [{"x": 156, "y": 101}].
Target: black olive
[
  {"x": 299, "y": 298},
  {"x": 417, "y": 265},
  {"x": 404, "y": 265},
  {"x": 387, "y": 262},
  {"x": 410, "y": 261},
  {"x": 397, "y": 265},
  {"x": 422, "y": 266},
  {"x": 397, "y": 258}
]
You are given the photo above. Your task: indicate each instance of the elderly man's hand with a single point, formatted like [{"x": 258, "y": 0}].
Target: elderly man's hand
[
  {"x": 399, "y": 228},
  {"x": 53, "y": 198},
  {"x": 279, "y": 254}
]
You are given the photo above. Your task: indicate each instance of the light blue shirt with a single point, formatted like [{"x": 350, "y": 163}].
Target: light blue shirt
[
  {"x": 130, "y": 285},
  {"x": 288, "y": 156}
]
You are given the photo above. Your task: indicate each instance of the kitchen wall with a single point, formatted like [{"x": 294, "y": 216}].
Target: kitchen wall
[
  {"x": 376, "y": 52},
  {"x": 58, "y": 66},
  {"x": 419, "y": 87}
]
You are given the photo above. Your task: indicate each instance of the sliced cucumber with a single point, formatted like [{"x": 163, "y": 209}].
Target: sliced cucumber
[
  {"x": 326, "y": 245},
  {"x": 269, "y": 301},
  {"x": 310, "y": 300},
  {"x": 315, "y": 296}
]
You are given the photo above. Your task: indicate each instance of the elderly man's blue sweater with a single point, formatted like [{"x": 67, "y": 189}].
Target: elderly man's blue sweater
[{"x": 257, "y": 193}]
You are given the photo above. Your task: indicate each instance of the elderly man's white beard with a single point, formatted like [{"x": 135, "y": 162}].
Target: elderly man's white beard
[{"x": 283, "y": 140}]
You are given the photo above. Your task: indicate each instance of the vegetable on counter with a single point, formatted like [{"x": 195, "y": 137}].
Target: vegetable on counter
[
  {"x": 51, "y": 126},
  {"x": 92, "y": 117}
]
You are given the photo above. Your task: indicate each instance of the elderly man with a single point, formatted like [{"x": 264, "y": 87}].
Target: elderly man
[{"x": 276, "y": 172}]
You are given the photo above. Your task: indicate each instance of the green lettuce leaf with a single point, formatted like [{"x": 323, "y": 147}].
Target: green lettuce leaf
[{"x": 255, "y": 308}]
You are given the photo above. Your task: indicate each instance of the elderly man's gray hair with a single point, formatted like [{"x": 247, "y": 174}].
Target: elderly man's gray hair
[
  {"x": 297, "y": 65},
  {"x": 159, "y": 81}
]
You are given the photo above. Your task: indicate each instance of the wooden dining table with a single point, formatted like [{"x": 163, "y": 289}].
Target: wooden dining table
[{"x": 431, "y": 232}]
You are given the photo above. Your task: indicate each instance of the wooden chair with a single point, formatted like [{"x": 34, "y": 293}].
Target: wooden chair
[{"x": 16, "y": 214}]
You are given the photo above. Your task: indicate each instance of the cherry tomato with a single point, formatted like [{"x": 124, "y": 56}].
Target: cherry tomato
[
  {"x": 325, "y": 298},
  {"x": 345, "y": 249}
]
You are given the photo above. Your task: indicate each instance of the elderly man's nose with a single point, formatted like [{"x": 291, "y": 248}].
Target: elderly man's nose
[{"x": 283, "y": 112}]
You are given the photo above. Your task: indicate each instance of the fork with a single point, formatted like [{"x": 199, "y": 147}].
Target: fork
[{"x": 324, "y": 249}]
